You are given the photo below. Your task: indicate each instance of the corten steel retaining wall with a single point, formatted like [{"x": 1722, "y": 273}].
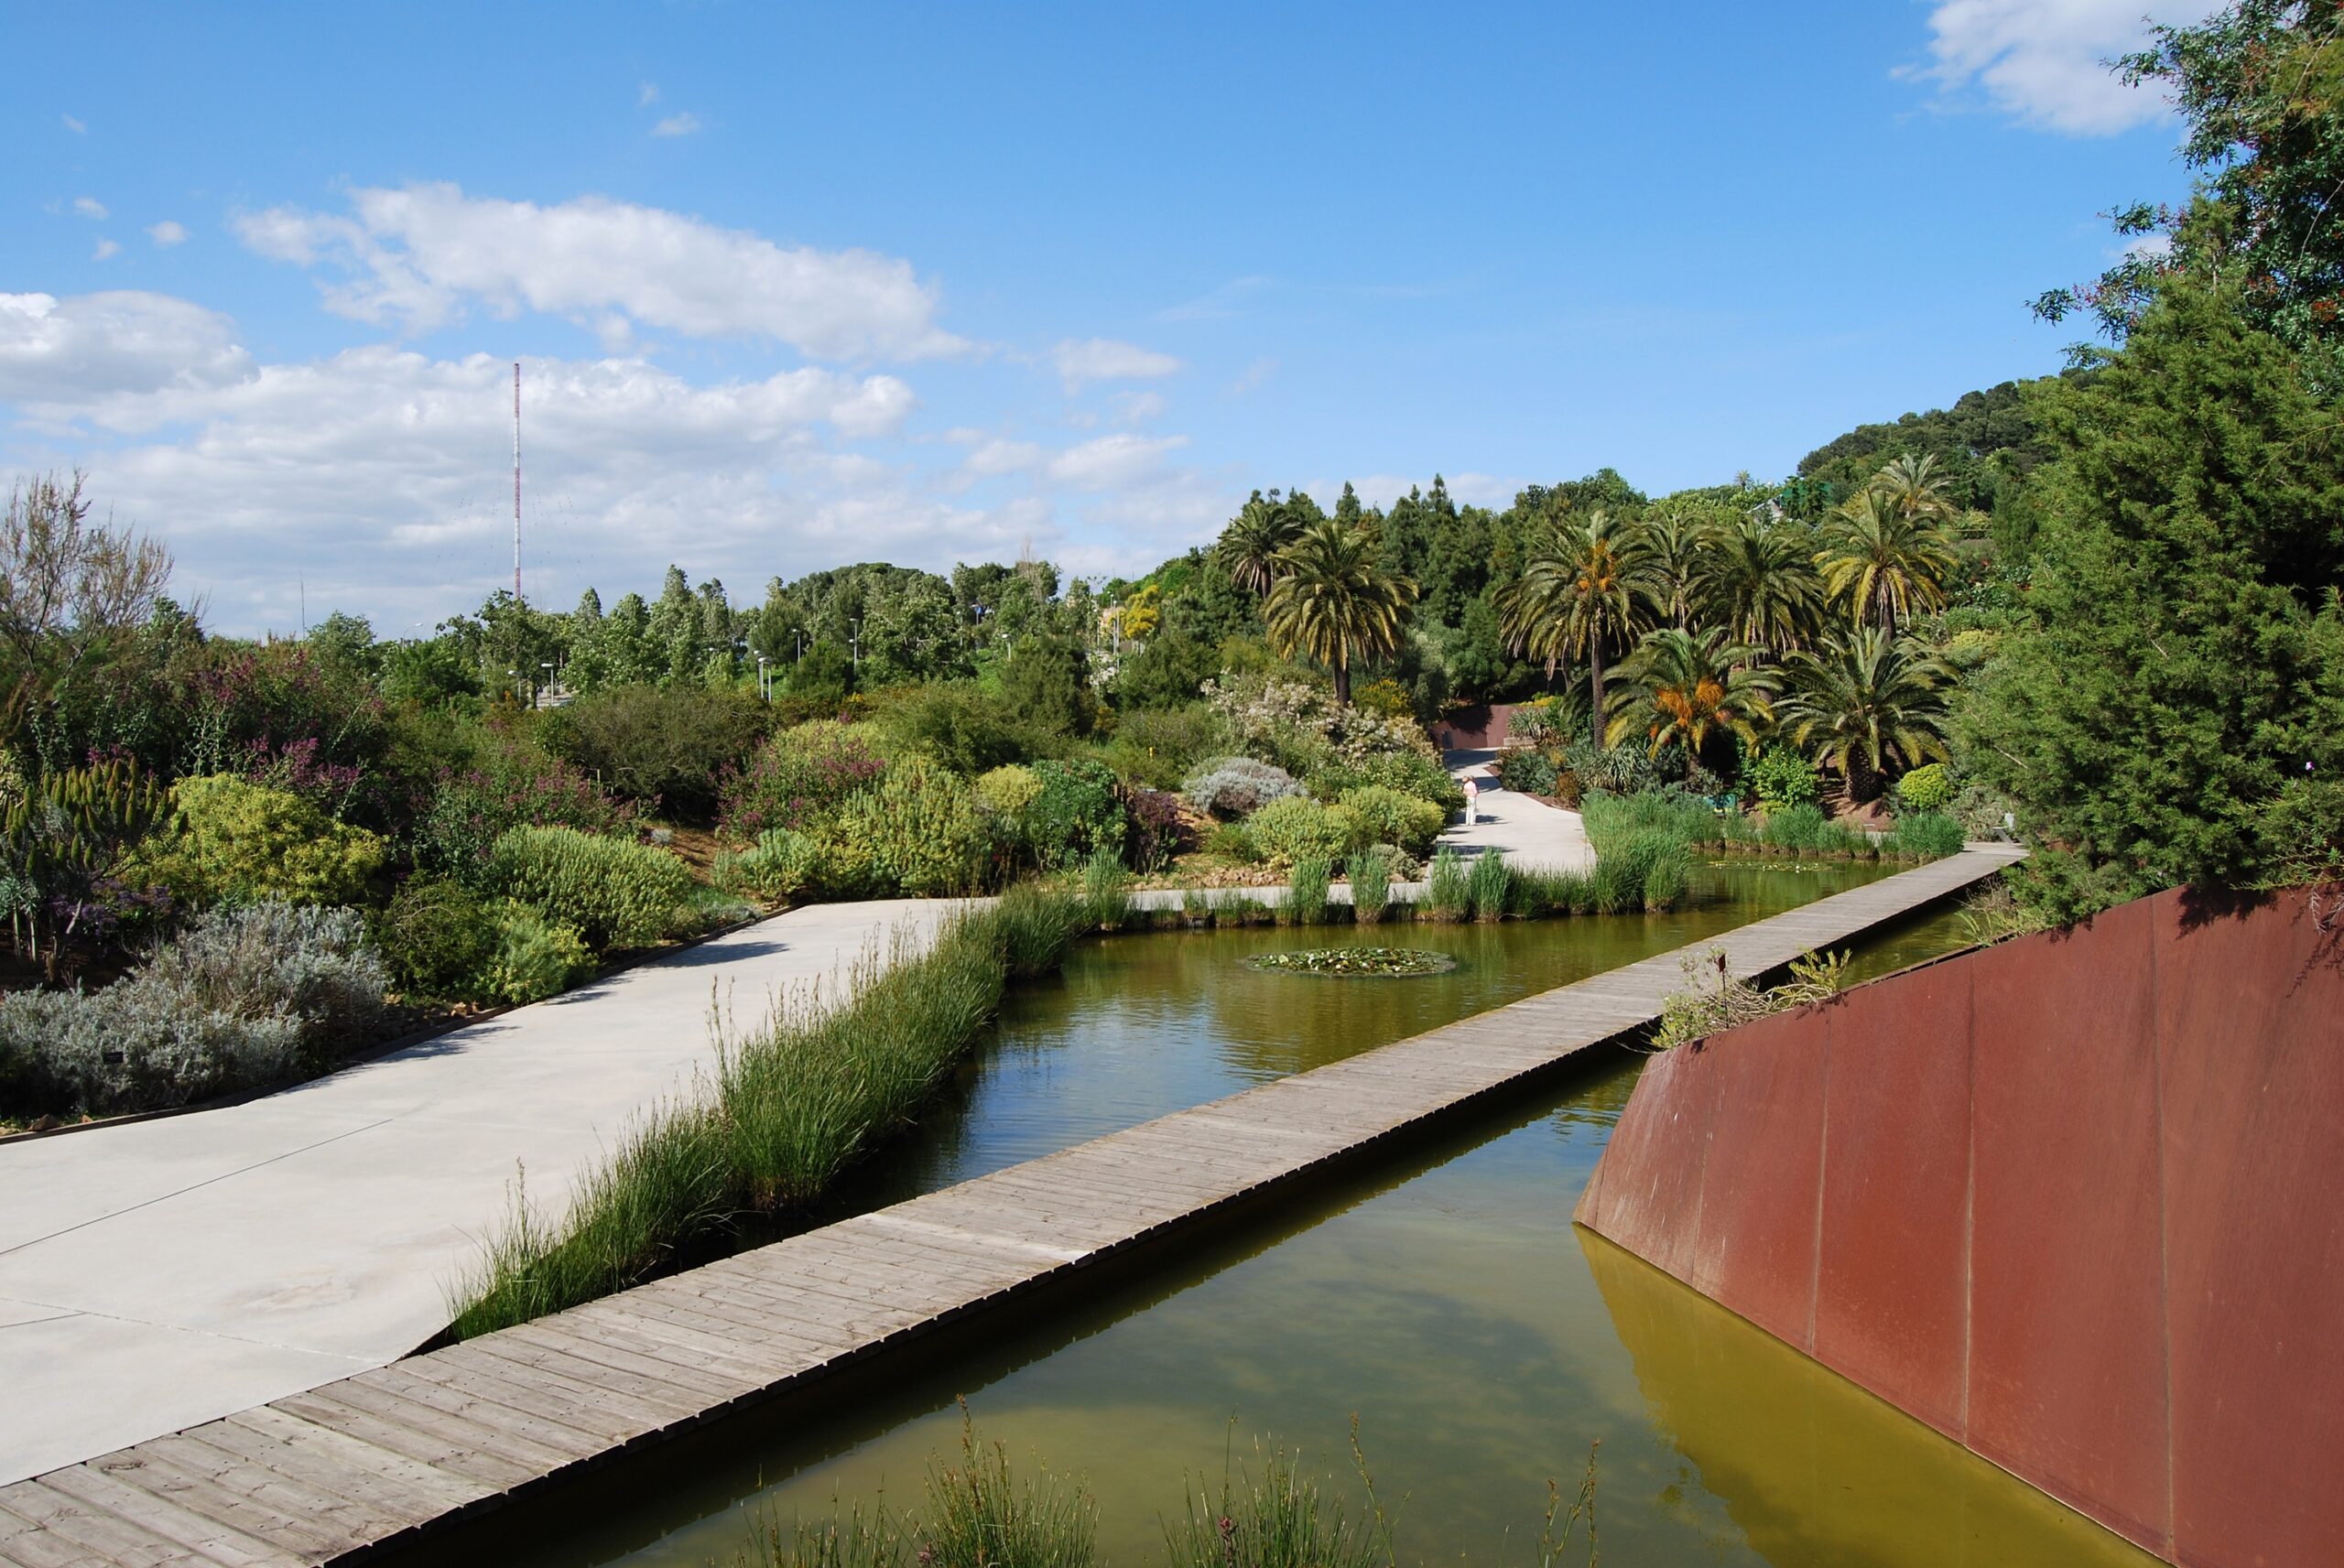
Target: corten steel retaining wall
[{"x": 2075, "y": 1201}]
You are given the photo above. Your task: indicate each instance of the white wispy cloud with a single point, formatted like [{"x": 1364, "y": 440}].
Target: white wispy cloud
[
  {"x": 648, "y": 96},
  {"x": 682, "y": 125},
  {"x": 106, "y": 250},
  {"x": 89, "y": 207},
  {"x": 2044, "y": 61},
  {"x": 419, "y": 256},
  {"x": 1113, "y": 463},
  {"x": 1104, "y": 359},
  {"x": 64, "y": 356},
  {"x": 74, "y": 125},
  {"x": 168, "y": 232},
  {"x": 1252, "y": 376}
]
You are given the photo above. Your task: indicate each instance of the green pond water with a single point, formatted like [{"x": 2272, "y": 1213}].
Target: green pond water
[{"x": 1483, "y": 1341}]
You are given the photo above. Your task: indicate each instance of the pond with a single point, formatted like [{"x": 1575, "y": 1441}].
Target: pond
[{"x": 1445, "y": 1300}]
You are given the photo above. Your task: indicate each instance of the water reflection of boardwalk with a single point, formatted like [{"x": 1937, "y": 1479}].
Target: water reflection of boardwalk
[{"x": 402, "y": 1448}]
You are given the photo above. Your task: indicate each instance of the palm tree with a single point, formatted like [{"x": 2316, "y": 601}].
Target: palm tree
[
  {"x": 1863, "y": 701},
  {"x": 1674, "y": 539},
  {"x": 1681, "y": 687},
  {"x": 1882, "y": 561},
  {"x": 1909, "y": 485},
  {"x": 1331, "y": 601},
  {"x": 1756, "y": 579},
  {"x": 1251, "y": 545},
  {"x": 1583, "y": 587}
]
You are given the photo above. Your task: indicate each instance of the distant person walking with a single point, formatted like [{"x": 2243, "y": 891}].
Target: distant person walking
[{"x": 1472, "y": 800}]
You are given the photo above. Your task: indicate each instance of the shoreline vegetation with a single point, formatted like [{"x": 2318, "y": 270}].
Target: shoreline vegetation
[{"x": 977, "y": 1510}]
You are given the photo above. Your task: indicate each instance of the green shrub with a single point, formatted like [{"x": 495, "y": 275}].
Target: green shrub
[
  {"x": 918, "y": 830},
  {"x": 1526, "y": 773},
  {"x": 436, "y": 937},
  {"x": 1781, "y": 779},
  {"x": 535, "y": 956},
  {"x": 1925, "y": 788},
  {"x": 1370, "y": 878},
  {"x": 1296, "y": 828},
  {"x": 1448, "y": 894},
  {"x": 1389, "y": 817},
  {"x": 665, "y": 747},
  {"x": 960, "y": 725},
  {"x": 1410, "y": 772},
  {"x": 1075, "y": 813},
  {"x": 1489, "y": 885},
  {"x": 615, "y": 893},
  {"x": 1925, "y": 835},
  {"x": 1161, "y": 747},
  {"x": 1009, "y": 793},
  {"x": 1230, "y": 840},
  {"x": 244, "y": 843},
  {"x": 1238, "y": 786},
  {"x": 1035, "y": 928},
  {"x": 1613, "y": 819},
  {"x": 1306, "y": 900},
  {"x": 1537, "y": 894}
]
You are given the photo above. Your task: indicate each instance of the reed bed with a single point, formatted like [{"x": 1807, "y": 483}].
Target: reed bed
[{"x": 791, "y": 1105}]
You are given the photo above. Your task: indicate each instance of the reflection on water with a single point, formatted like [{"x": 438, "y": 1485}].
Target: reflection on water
[{"x": 1445, "y": 1298}]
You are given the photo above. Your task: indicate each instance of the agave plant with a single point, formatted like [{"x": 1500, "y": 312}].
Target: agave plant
[{"x": 1863, "y": 702}]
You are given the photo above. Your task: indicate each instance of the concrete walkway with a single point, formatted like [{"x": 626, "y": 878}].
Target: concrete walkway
[
  {"x": 1531, "y": 834},
  {"x": 164, "y": 1272}
]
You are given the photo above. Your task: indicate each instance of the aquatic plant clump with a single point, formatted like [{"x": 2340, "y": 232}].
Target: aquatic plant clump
[{"x": 1352, "y": 963}]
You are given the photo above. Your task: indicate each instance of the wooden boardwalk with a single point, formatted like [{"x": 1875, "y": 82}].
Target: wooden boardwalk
[{"x": 375, "y": 1461}]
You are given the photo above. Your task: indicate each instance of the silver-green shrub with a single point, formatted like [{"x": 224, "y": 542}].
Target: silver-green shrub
[
  {"x": 245, "y": 997},
  {"x": 1238, "y": 786}
]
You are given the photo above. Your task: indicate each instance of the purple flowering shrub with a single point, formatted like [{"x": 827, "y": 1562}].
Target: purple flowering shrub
[
  {"x": 511, "y": 787},
  {"x": 1156, "y": 831}
]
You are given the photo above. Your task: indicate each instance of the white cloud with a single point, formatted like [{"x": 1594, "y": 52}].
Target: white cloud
[
  {"x": 63, "y": 353},
  {"x": 168, "y": 232},
  {"x": 1113, "y": 463},
  {"x": 418, "y": 256},
  {"x": 88, "y": 207},
  {"x": 1252, "y": 376},
  {"x": 105, "y": 251},
  {"x": 648, "y": 96},
  {"x": 2044, "y": 61},
  {"x": 74, "y": 125},
  {"x": 1104, "y": 359},
  {"x": 682, "y": 125},
  {"x": 1139, "y": 407}
]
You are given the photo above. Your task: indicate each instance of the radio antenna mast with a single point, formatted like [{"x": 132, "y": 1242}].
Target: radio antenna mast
[{"x": 516, "y": 482}]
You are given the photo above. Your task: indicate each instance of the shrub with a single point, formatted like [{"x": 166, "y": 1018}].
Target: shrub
[
  {"x": 1007, "y": 792},
  {"x": 1389, "y": 817},
  {"x": 1305, "y": 899},
  {"x": 1161, "y": 747},
  {"x": 1925, "y": 835},
  {"x": 244, "y": 843},
  {"x": 509, "y": 786},
  {"x": 1411, "y": 773},
  {"x": 1528, "y": 773},
  {"x": 616, "y": 894},
  {"x": 1781, "y": 779},
  {"x": 1035, "y": 929},
  {"x": 1448, "y": 894},
  {"x": 960, "y": 725},
  {"x": 1537, "y": 893},
  {"x": 799, "y": 777},
  {"x": 1238, "y": 786},
  {"x": 1158, "y": 832},
  {"x": 918, "y": 830},
  {"x": 1623, "y": 769},
  {"x": 534, "y": 956},
  {"x": 245, "y": 997},
  {"x": 1076, "y": 812},
  {"x": 665, "y": 748},
  {"x": 1611, "y": 819},
  {"x": 1713, "y": 998},
  {"x": 1298, "y": 828},
  {"x": 1371, "y": 877},
  {"x": 1232, "y": 841},
  {"x": 1806, "y": 830},
  {"x": 1489, "y": 884},
  {"x": 1925, "y": 788},
  {"x": 436, "y": 937}
]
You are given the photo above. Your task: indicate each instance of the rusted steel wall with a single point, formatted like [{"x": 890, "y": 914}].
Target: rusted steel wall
[
  {"x": 1481, "y": 728},
  {"x": 2075, "y": 1201}
]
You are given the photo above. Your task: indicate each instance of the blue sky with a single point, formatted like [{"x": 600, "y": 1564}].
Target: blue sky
[{"x": 798, "y": 286}]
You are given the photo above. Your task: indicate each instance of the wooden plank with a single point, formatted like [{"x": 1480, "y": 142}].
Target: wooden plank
[
  {"x": 493, "y": 1471},
  {"x": 95, "y": 1530},
  {"x": 520, "y": 1426},
  {"x": 211, "y": 1540},
  {"x": 150, "y": 1468}
]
